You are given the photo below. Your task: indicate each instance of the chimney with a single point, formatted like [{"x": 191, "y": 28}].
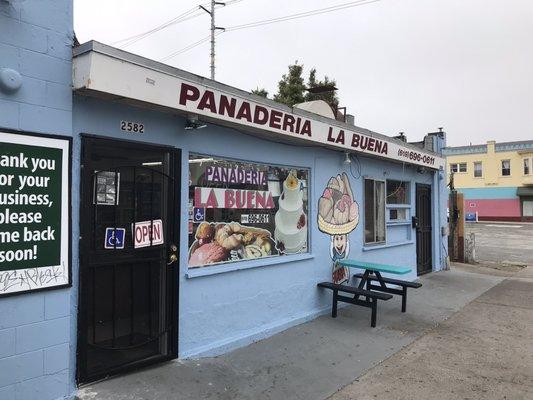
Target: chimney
[{"x": 491, "y": 146}]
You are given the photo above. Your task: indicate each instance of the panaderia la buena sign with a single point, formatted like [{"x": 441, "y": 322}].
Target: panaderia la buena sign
[{"x": 213, "y": 103}]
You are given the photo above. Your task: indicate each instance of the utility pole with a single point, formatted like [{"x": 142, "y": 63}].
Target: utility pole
[{"x": 213, "y": 29}]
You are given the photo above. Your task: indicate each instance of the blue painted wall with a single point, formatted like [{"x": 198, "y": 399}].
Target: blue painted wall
[
  {"x": 489, "y": 193},
  {"x": 222, "y": 311},
  {"x": 36, "y": 341}
]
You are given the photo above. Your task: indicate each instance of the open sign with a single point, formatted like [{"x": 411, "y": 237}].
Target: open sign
[{"x": 148, "y": 233}]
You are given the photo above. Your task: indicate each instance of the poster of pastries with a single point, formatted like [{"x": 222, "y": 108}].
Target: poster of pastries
[{"x": 244, "y": 210}]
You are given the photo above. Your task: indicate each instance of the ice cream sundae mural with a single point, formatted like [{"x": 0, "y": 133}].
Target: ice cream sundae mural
[{"x": 338, "y": 215}]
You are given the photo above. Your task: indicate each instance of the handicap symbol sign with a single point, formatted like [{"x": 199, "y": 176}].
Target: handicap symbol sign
[
  {"x": 114, "y": 238},
  {"x": 199, "y": 214}
]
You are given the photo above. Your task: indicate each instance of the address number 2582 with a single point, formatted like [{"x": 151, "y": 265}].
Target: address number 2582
[{"x": 128, "y": 126}]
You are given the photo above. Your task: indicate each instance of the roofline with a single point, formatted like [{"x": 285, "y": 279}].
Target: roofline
[
  {"x": 517, "y": 142},
  {"x": 141, "y": 61}
]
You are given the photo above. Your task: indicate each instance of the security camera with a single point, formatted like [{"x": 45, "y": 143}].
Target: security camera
[{"x": 193, "y": 123}]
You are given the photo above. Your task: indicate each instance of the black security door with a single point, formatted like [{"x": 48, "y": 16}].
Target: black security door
[
  {"x": 128, "y": 257},
  {"x": 423, "y": 230}
]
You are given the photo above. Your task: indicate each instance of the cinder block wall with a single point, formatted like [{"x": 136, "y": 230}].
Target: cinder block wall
[{"x": 35, "y": 329}]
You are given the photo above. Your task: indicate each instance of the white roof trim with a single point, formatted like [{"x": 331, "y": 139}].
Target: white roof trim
[{"x": 112, "y": 73}]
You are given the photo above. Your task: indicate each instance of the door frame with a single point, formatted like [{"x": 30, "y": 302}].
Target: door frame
[
  {"x": 174, "y": 215},
  {"x": 431, "y": 221}
]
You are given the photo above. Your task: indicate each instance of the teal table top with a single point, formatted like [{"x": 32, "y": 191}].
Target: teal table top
[{"x": 392, "y": 269}]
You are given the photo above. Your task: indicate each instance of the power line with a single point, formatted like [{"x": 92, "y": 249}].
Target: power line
[
  {"x": 189, "y": 47},
  {"x": 273, "y": 20},
  {"x": 180, "y": 18},
  {"x": 185, "y": 16},
  {"x": 304, "y": 14}
]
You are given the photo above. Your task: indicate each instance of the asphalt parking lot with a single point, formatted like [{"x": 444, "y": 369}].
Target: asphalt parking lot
[{"x": 498, "y": 242}]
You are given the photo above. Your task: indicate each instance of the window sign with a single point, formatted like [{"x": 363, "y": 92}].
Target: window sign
[
  {"x": 114, "y": 238},
  {"x": 147, "y": 233},
  {"x": 245, "y": 210},
  {"x": 107, "y": 187},
  {"x": 34, "y": 213}
]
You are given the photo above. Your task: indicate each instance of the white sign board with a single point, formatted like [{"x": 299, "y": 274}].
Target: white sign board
[
  {"x": 34, "y": 212},
  {"x": 148, "y": 233},
  {"x": 104, "y": 73}
]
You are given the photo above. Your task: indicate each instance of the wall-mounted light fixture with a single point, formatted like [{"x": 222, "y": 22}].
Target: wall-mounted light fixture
[
  {"x": 347, "y": 159},
  {"x": 10, "y": 80}
]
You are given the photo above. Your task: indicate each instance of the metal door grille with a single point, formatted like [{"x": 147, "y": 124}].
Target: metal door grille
[
  {"x": 126, "y": 292},
  {"x": 424, "y": 230}
]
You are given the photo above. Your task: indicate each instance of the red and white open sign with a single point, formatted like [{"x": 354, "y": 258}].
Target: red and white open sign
[{"x": 148, "y": 233}]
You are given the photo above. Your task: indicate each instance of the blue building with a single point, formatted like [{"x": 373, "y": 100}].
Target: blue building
[{"x": 177, "y": 216}]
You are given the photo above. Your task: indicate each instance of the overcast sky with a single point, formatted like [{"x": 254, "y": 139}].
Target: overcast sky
[{"x": 400, "y": 65}]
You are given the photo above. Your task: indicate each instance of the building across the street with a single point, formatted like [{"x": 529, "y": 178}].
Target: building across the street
[
  {"x": 496, "y": 179},
  {"x": 149, "y": 214}
]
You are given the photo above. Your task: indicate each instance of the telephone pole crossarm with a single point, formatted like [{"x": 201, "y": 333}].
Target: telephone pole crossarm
[{"x": 205, "y": 9}]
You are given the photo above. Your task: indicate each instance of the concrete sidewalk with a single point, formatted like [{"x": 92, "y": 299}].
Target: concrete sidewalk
[
  {"x": 310, "y": 361},
  {"x": 483, "y": 352}
]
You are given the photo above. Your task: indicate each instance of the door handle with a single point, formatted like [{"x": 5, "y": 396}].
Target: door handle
[{"x": 172, "y": 259}]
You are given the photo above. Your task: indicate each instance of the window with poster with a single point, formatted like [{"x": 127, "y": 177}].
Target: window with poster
[{"x": 241, "y": 210}]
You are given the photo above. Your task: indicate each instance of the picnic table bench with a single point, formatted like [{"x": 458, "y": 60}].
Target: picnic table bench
[
  {"x": 370, "y": 291},
  {"x": 373, "y": 274},
  {"x": 371, "y": 298}
]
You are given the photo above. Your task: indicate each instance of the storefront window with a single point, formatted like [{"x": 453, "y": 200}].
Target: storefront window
[
  {"x": 374, "y": 211},
  {"x": 242, "y": 210},
  {"x": 398, "y": 200},
  {"x": 397, "y": 192}
]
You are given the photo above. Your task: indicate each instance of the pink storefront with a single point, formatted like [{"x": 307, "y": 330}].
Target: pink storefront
[{"x": 494, "y": 209}]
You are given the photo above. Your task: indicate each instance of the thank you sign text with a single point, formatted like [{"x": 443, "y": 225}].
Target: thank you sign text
[{"x": 34, "y": 218}]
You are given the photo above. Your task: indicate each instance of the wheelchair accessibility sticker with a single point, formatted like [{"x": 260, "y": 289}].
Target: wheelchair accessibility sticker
[
  {"x": 199, "y": 214},
  {"x": 114, "y": 238}
]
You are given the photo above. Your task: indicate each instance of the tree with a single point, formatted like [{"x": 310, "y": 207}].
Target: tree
[
  {"x": 329, "y": 96},
  {"x": 291, "y": 86},
  {"x": 260, "y": 92}
]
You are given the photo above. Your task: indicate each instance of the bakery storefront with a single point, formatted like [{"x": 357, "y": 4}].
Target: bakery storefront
[{"x": 208, "y": 215}]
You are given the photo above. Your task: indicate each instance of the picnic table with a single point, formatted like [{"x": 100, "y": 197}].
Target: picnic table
[
  {"x": 373, "y": 274},
  {"x": 367, "y": 289}
]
